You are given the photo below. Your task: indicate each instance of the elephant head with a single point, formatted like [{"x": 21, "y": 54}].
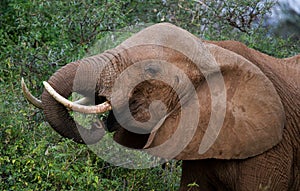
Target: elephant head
[{"x": 157, "y": 78}]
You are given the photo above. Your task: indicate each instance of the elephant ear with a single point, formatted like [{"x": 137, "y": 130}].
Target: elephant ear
[{"x": 254, "y": 118}]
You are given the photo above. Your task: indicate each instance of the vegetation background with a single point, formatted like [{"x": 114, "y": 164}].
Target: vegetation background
[{"x": 37, "y": 37}]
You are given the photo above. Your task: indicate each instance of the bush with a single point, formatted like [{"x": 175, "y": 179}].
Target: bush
[{"x": 38, "y": 37}]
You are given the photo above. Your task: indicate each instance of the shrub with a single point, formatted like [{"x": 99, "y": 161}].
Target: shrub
[{"x": 38, "y": 37}]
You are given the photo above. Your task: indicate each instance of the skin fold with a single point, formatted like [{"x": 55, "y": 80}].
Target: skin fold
[{"x": 257, "y": 147}]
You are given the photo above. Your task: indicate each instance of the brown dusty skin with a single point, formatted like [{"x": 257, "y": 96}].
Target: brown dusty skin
[{"x": 275, "y": 169}]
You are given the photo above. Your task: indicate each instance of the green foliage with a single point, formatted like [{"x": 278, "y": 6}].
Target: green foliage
[
  {"x": 219, "y": 20},
  {"x": 38, "y": 37},
  {"x": 205, "y": 17},
  {"x": 277, "y": 47},
  {"x": 289, "y": 22}
]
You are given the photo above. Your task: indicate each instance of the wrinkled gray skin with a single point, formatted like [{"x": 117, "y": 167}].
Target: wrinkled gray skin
[{"x": 275, "y": 169}]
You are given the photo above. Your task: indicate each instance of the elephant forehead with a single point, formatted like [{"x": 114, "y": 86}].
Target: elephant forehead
[
  {"x": 153, "y": 61},
  {"x": 180, "y": 40}
]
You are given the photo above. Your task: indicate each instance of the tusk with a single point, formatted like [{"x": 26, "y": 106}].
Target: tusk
[
  {"x": 33, "y": 100},
  {"x": 101, "y": 108}
]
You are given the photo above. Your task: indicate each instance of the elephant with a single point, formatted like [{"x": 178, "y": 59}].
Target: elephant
[{"x": 229, "y": 112}]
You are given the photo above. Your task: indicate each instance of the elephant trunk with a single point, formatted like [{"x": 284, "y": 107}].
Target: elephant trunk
[{"x": 63, "y": 81}]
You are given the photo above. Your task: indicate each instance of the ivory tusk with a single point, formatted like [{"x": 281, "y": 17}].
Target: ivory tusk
[
  {"x": 33, "y": 100},
  {"x": 101, "y": 108}
]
